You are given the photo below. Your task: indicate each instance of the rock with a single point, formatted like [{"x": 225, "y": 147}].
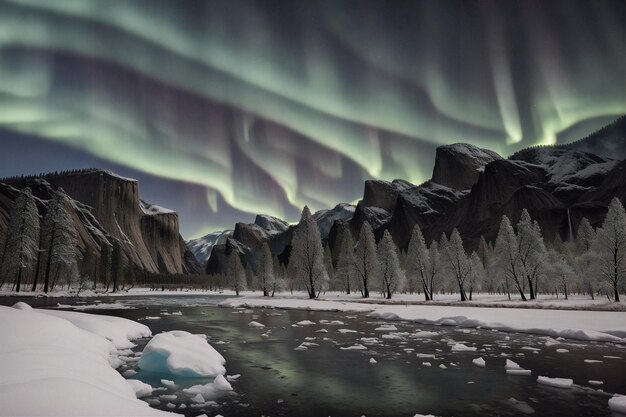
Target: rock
[{"x": 458, "y": 165}]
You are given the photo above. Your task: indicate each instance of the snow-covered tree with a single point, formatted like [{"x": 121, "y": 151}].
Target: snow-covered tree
[
  {"x": 476, "y": 275},
  {"x": 391, "y": 275},
  {"x": 532, "y": 250},
  {"x": 435, "y": 267},
  {"x": 328, "y": 264},
  {"x": 21, "y": 248},
  {"x": 265, "y": 270},
  {"x": 485, "y": 253},
  {"x": 506, "y": 255},
  {"x": 235, "y": 273},
  {"x": 346, "y": 269},
  {"x": 457, "y": 262},
  {"x": 278, "y": 281},
  {"x": 307, "y": 255},
  {"x": 584, "y": 236},
  {"x": 366, "y": 262},
  {"x": 60, "y": 242},
  {"x": 561, "y": 272},
  {"x": 609, "y": 246},
  {"x": 418, "y": 262}
]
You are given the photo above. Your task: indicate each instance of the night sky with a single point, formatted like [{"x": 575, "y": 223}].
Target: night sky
[{"x": 225, "y": 109}]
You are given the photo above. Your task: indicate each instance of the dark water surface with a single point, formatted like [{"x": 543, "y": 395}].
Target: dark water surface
[{"x": 325, "y": 380}]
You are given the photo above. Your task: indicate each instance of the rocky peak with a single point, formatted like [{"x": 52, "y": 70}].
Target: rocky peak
[
  {"x": 270, "y": 223},
  {"x": 458, "y": 165}
]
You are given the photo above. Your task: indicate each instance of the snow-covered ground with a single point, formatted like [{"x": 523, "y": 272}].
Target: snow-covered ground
[
  {"x": 57, "y": 363},
  {"x": 582, "y": 325}
]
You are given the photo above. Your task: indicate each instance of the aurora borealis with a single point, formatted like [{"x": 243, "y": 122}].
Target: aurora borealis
[{"x": 225, "y": 109}]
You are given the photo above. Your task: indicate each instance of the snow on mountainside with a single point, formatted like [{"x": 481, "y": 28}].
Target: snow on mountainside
[
  {"x": 271, "y": 223},
  {"x": 150, "y": 209},
  {"x": 202, "y": 247},
  {"x": 326, "y": 218}
]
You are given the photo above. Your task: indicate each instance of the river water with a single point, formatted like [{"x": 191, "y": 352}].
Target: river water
[{"x": 326, "y": 380}]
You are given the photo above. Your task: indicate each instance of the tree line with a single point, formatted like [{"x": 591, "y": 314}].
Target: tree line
[
  {"x": 42, "y": 253},
  {"x": 518, "y": 264}
]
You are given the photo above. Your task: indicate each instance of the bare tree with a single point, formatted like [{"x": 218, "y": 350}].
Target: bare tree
[
  {"x": 392, "y": 276},
  {"x": 366, "y": 262},
  {"x": 418, "y": 262},
  {"x": 560, "y": 270},
  {"x": 609, "y": 246},
  {"x": 457, "y": 262},
  {"x": 328, "y": 264},
  {"x": 21, "y": 249},
  {"x": 435, "y": 266},
  {"x": 531, "y": 249},
  {"x": 307, "y": 255}
]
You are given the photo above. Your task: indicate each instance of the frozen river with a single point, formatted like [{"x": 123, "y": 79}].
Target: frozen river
[{"x": 333, "y": 374}]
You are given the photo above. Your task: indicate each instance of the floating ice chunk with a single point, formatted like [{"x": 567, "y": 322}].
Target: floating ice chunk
[
  {"x": 479, "y": 362},
  {"x": 346, "y": 331},
  {"x": 198, "y": 399},
  {"x": 372, "y": 360},
  {"x": 426, "y": 364},
  {"x": 555, "y": 382},
  {"x": 424, "y": 333},
  {"x": 562, "y": 351},
  {"x": 321, "y": 331},
  {"x": 129, "y": 373},
  {"x": 618, "y": 404},
  {"x": 255, "y": 324},
  {"x": 232, "y": 377},
  {"x": 442, "y": 366},
  {"x": 151, "y": 318},
  {"x": 354, "y": 347},
  {"x": 511, "y": 365},
  {"x": 167, "y": 397},
  {"x": 386, "y": 328},
  {"x": 305, "y": 323},
  {"x": 332, "y": 322},
  {"x": 425, "y": 355},
  {"x": 513, "y": 368},
  {"x": 141, "y": 388},
  {"x": 182, "y": 353},
  {"x": 169, "y": 384},
  {"x": 612, "y": 357},
  {"x": 595, "y": 382},
  {"x": 208, "y": 391},
  {"x": 177, "y": 313},
  {"x": 592, "y": 361},
  {"x": 460, "y": 347},
  {"x": 171, "y": 406}
]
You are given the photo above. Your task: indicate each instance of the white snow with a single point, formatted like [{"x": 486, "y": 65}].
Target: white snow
[
  {"x": 354, "y": 347},
  {"x": 372, "y": 360},
  {"x": 555, "y": 382},
  {"x": 98, "y": 306},
  {"x": 141, "y": 388},
  {"x": 424, "y": 333},
  {"x": 182, "y": 353},
  {"x": 169, "y": 384},
  {"x": 305, "y": 323},
  {"x": 479, "y": 362},
  {"x": 212, "y": 390},
  {"x": 255, "y": 324},
  {"x": 346, "y": 331},
  {"x": 562, "y": 351},
  {"x": 607, "y": 326},
  {"x": 460, "y": 347},
  {"x": 386, "y": 328},
  {"x": 512, "y": 368},
  {"x": 595, "y": 382},
  {"x": 618, "y": 404},
  {"x": 47, "y": 359}
]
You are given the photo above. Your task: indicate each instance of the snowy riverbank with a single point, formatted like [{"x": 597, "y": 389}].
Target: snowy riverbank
[
  {"x": 57, "y": 363},
  {"x": 607, "y": 326}
]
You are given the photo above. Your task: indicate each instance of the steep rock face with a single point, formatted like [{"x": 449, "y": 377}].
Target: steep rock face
[
  {"x": 457, "y": 166},
  {"x": 271, "y": 223},
  {"x": 106, "y": 207},
  {"x": 202, "y": 247}
]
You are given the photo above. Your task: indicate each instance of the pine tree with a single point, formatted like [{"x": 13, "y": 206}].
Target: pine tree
[
  {"x": 476, "y": 275},
  {"x": 307, "y": 255},
  {"x": 507, "y": 256},
  {"x": 61, "y": 242},
  {"x": 583, "y": 263},
  {"x": 235, "y": 273},
  {"x": 391, "y": 275},
  {"x": 584, "y": 236},
  {"x": 330, "y": 269},
  {"x": 418, "y": 262},
  {"x": 346, "y": 272},
  {"x": 609, "y": 246},
  {"x": 366, "y": 262},
  {"x": 21, "y": 248},
  {"x": 457, "y": 261}
]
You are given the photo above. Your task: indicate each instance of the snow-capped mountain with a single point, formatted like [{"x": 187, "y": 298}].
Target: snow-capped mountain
[{"x": 202, "y": 247}]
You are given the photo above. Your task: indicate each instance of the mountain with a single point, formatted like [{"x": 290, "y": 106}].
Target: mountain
[
  {"x": 471, "y": 189},
  {"x": 105, "y": 208},
  {"x": 202, "y": 247}
]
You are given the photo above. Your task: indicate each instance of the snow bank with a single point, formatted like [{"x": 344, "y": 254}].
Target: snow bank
[
  {"x": 607, "y": 326},
  {"x": 618, "y": 404},
  {"x": 182, "y": 353},
  {"x": 118, "y": 330},
  {"x": 52, "y": 367}
]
